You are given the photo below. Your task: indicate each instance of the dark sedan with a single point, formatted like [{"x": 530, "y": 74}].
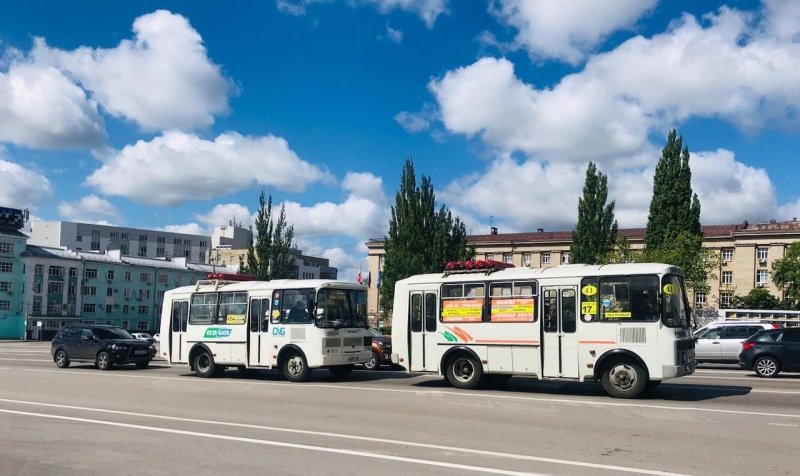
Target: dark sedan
[
  {"x": 103, "y": 345},
  {"x": 772, "y": 351},
  {"x": 381, "y": 351}
]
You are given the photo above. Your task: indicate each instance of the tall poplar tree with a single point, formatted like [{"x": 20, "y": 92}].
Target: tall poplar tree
[
  {"x": 268, "y": 254},
  {"x": 673, "y": 234},
  {"x": 596, "y": 232},
  {"x": 421, "y": 239}
]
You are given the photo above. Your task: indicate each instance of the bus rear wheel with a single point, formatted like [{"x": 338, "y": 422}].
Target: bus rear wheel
[
  {"x": 463, "y": 371},
  {"x": 624, "y": 379},
  {"x": 204, "y": 365},
  {"x": 295, "y": 367}
]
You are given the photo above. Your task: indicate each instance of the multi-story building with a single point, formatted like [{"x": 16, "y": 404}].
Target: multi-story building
[
  {"x": 129, "y": 241},
  {"x": 308, "y": 267},
  {"x": 12, "y": 273},
  {"x": 231, "y": 237},
  {"x": 108, "y": 288},
  {"x": 747, "y": 252}
]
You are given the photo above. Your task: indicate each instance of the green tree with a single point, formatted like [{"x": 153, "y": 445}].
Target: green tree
[
  {"x": 674, "y": 208},
  {"x": 420, "y": 239},
  {"x": 621, "y": 252},
  {"x": 268, "y": 254},
  {"x": 673, "y": 234},
  {"x": 596, "y": 232},
  {"x": 757, "y": 298},
  {"x": 786, "y": 272}
]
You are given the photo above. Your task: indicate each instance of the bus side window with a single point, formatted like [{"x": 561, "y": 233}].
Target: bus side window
[
  {"x": 176, "y": 316},
  {"x": 416, "y": 312},
  {"x": 255, "y": 314},
  {"x": 430, "y": 312}
]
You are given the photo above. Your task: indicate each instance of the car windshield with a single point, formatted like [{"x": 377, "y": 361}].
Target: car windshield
[
  {"x": 375, "y": 333},
  {"x": 111, "y": 333},
  {"x": 675, "y": 307},
  {"x": 348, "y": 307}
]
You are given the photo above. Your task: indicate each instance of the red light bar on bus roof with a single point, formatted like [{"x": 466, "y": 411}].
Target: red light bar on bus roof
[
  {"x": 473, "y": 265},
  {"x": 231, "y": 277}
]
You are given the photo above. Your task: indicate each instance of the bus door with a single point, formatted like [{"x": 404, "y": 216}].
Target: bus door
[
  {"x": 178, "y": 349},
  {"x": 423, "y": 351},
  {"x": 259, "y": 353},
  {"x": 559, "y": 340}
]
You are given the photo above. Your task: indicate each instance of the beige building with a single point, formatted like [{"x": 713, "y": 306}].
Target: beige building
[{"x": 747, "y": 252}]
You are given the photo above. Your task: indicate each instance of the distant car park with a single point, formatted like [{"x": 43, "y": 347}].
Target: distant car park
[{"x": 143, "y": 336}]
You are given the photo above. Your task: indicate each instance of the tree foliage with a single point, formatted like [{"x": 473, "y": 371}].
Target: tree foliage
[
  {"x": 621, "y": 252},
  {"x": 596, "y": 231},
  {"x": 268, "y": 254},
  {"x": 757, "y": 298},
  {"x": 786, "y": 272},
  {"x": 673, "y": 234},
  {"x": 421, "y": 239}
]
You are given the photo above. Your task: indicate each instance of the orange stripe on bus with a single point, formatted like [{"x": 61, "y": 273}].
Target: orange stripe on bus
[
  {"x": 502, "y": 341},
  {"x": 596, "y": 342}
]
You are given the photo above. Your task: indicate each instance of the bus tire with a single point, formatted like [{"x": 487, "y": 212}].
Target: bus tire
[
  {"x": 342, "y": 370},
  {"x": 204, "y": 366},
  {"x": 624, "y": 379},
  {"x": 295, "y": 367},
  {"x": 464, "y": 372}
]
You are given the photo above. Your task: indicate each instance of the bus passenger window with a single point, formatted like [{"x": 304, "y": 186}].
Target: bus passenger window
[{"x": 416, "y": 313}]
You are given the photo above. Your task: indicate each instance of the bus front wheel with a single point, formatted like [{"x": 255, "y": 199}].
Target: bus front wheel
[
  {"x": 463, "y": 371},
  {"x": 204, "y": 365},
  {"x": 295, "y": 367},
  {"x": 624, "y": 379}
]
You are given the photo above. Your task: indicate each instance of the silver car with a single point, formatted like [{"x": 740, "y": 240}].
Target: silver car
[{"x": 721, "y": 342}]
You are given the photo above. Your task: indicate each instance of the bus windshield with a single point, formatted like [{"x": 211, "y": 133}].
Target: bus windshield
[
  {"x": 675, "y": 307},
  {"x": 347, "y": 306}
]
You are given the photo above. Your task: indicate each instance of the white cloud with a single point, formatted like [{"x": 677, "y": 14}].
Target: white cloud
[
  {"x": 347, "y": 262},
  {"x": 178, "y": 166},
  {"x": 41, "y": 108},
  {"x": 413, "y": 122},
  {"x": 188, "y": 228},
  {"x": 90, "y": 208},
  {"x": 394, "y": 35},
  {"x": 21, "y": 187},
  {"x": 161, "y": 79},
  {"x": 567, "y": 29},
  {"x": 427, "y": 10},
  {"x": 225, "y": 213},
  {"x": 363, "y": 214}
]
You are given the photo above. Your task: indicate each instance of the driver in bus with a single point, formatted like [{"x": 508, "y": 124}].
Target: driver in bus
[{"x": 298, "y": 312}]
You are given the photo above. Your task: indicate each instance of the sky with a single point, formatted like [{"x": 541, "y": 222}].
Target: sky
[{"x": 176, "y": 115}]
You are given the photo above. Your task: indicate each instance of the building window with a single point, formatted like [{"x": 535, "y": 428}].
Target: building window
[
  {"x": 108, "y": 308},
  {"x": 699, "y": 299},
  {"x": 546, "y": 257},
  {"x": 380, "y": 262},
  {"x": 5, "y": 286},
  {"x": 727, "y": 277},
  {"x": 143, "y": 311},
  {"x": 114, "y": 235},
  {"x": 5, "y": 305},
  {"x": 125, "y": 325},
  {"x": 125, "y": 309},
  {"x": 55, "y": 271},
  {"x": 123, "y": 249},
  {"x": 89, "y": 307},
  {"x": 38, "y": 269},
  {"x": 37, "y": 287},
  {"x": 141, "y": 325},
  {"x": 95, "y": 246},
  {"x": 37, "y": 305},
  {"x": 6, "y": 247},
  {"x": 79, "y": 238},
  {"x": 177, "y": 281},
  {"x": 54, "y": 308},
  {"x": 161, "y": 296},
  {"x": 144, "y": 294},
  {"x": 762, "y": 253},
  {"x": 160, "y": 251},
  {"x": 89, "y": 273},
  {"x": 73, "y": 272},
  {"x": 176, "y": 241},
  {"x": 110, "y": 274},
  {"x": 127, "y": 275},
  {"x": 187, "y": 242},
  {"x": 127, "y": 293},
  {"x": 761, "y": 276},
  {"x": 95, "y": 232},
  {"x": 564, "y": 258},
  {"x": 143, "y": 250},
  {"x": 144, "y": 277},
  {"x": 71, "y": 289},
  {"x": 727, "y": 254},
  {"x": 124, "y": 235},
  {"x": 90, "y": 291},
  {"x": 142, "y": 237},
  {"x": 507, "y": 257},
  {"x": 489, "y": 256},
  {"x": 55, "y": 288},
  {"x": 6, "y": 267},
  {"x": 202, "y": 257},
  {"x": 163, "y": 279},
  {"x": 109, "y": 292},
  {"x": 526, "y": 259},
  {"x": 161, "y": 239}
]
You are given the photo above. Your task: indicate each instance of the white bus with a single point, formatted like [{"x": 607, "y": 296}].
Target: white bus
[
  {"x": 292, "y": 325},
  {"x": 627, "y": 325}
]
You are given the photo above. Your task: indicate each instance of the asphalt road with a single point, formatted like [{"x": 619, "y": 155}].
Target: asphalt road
[{"x": 163, "y": 420}]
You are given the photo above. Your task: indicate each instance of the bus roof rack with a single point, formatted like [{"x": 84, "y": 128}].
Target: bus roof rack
[{"x": 472, "y": 266}]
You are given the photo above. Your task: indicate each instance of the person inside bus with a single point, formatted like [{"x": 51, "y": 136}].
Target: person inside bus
[{"x": 298, "y": 312}]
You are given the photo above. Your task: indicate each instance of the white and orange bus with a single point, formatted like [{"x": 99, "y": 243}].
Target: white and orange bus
[{"x": 627, "y": 325}]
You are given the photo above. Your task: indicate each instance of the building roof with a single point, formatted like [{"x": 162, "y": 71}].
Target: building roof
[
  {"x": 709, "y": 231},
  {"x": 47, "y": 252},
  {"x": 12, "y": 232}
]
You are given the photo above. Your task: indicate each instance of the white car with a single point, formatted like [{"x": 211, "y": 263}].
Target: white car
[
  {"x": 143, "y": 336},
  {"x": 157, "y": 337},
  {"x": 721, "y": 342}
]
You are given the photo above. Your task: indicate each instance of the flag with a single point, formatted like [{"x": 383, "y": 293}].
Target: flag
[{"x": 359, "y": 279}]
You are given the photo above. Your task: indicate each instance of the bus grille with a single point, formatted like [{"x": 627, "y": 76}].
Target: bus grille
[
  {"x": 686, "y": 344},
  {"x": 632, "y": 335},
  {"x": 352, "y": 341},
  {"x": 332, "y": 342}
]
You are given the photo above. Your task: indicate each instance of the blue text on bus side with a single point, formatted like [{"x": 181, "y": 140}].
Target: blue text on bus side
[{"x": 216, "y": 332}]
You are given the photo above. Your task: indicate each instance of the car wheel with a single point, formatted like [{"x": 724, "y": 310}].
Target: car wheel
[
  {"x": 342, "y": 370},
  {"x": 204, "y": 365},
  {"x": 104, "y": 361},
  {"x": 624, "y": 379},
  {"x": 295, "y": 367},
  {"x": 143, "y": 365},
  {"x": 464, "y": 372},
  {"x": 372, "y": 363},
  {"x": 62, "y": 361},
  {"x": 767, "y": 367}
]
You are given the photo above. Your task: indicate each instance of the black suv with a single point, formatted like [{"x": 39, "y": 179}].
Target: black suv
[
  {"x": 106, "y": 346},
  {"x": 771, "y": 351}
]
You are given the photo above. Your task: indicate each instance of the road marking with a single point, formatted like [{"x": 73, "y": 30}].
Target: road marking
[
  {"x": 784, "y": 424},
  {"x": 734, "y": 389},
  {"x": 322, "y": 449},
  {"x": 752, "y": 379},
  {"x": 26, "y": 360},
  {"x": 469, "y": 394}
]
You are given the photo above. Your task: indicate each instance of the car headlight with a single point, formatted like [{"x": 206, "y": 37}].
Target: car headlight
[
  {"x": 385, "y": 344},
  {"x": 118, "y": 347}
]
